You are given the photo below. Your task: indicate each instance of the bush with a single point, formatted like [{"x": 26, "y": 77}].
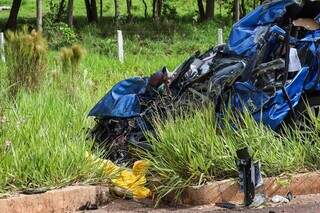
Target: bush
[
  {"x": 59, "y": 34},
  {"x": 26, "y": 55}
]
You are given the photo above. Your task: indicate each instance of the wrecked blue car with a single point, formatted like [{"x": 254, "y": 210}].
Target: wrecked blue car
[{"x": 269, "y": 66}]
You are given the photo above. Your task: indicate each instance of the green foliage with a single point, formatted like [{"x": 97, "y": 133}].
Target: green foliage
[
  {"x": 193, "y": 149},
  {"x": 56, "y": 12},
  {"x": 42, "y": 142},
  {"x": 26, "y": 55},
  {"x": 59, "y": 34},
  {"x": 169, "y": 10},
  {"x": 91, "y": 39}
]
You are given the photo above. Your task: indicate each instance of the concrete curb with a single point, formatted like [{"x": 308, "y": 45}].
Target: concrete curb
[
  {"x": 74, "y": 198},
  {"x": 228, "y": 190},
  {"x": 68, "y": 199}
]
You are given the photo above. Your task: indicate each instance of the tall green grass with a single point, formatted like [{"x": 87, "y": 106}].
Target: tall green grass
[
  {"x": 194, "y": 149},
  {"x": 43, "y": 134}
]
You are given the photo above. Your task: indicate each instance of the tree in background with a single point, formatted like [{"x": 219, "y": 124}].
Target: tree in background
[
  {"x": 129, "y": 6},
  {"x": 157, "y": 9},
  {"x": 208, "y": 13},
  {"x": 91, "y": 7},
  {"x": 62, "y": 10},
  {"x": 145, "y": 8},
  {"x": 12, "y": 20},
  {"x": 101, "y": 9},
  {"x": 210, "y": 5},
  {"x": 116, "y": 10},
  {"x": 70, "y": 13},
  {"x": 236, "y": 10},
  {"x": 201, "y": 11},
  {"x": 39, "y": 15},
  {"x": 243, "y": 8}
]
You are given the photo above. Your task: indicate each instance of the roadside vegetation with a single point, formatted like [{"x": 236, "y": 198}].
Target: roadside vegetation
[
  {"x": 51, "y": 80},
  {"x": 194, "y": 149},
  {"x": 48, "y": 86},
  {"x": 42, "y": 121}
]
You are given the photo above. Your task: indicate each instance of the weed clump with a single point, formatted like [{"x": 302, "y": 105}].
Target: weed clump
[
  {"x": 26, "y": 54},
  {"x": 71, "y": 58}
]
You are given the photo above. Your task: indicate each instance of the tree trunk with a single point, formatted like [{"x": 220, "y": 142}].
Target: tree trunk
[
  {"x": 145, "y": 8},
  {"x": 70, "y": 13},
  {"x": 201, "y": 10},
  {"x": 101, "y": 8},
  {"x": 88, "y": 10},
  {"x": 236, "y": 10},
  {"x": 39, "y": 15},
  {"x": 129, "y": 6},
  {"x": 209, "y": 9},
  {"x": 213, "y": 8},
  {"x": 116, "y": 10},
  {"x": 94, "y": 10},
  {"x": 60, "y": 11},
  {"x": 12, "y": 20},
  {"x": 243, "y": 8},
  {"x": 159, "y": 8},
  {"x": 154, "y": 8},
  {"x": 91, "y": 8}
]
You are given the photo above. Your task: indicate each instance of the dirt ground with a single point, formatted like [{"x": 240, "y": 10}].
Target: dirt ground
[{"x": 303, "y": 203}]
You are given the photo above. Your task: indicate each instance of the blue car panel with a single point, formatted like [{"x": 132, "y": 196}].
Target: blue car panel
[{"x": 122, "y": 101}]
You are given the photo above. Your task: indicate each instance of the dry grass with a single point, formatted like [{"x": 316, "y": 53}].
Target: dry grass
[
  {"x": 71, "y": 58},
  {"x": 26, "y": 54}
]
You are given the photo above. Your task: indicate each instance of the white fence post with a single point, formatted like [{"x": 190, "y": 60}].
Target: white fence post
[
  {"x": 120, "y": 46},
  {"x": 220, "y": 36},
  {"x": 2, "y": 47}
]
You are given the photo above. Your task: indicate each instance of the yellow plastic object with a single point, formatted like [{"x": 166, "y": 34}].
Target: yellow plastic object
[{"x": 132, "y": 180}]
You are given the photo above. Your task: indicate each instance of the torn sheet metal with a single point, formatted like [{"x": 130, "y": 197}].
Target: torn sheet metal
[
  {"x": 246, "y": 32},
  {"x": 122, "y": 100}
]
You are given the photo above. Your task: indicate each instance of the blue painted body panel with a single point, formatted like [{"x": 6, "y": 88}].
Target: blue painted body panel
[{"x": 122, "y": 101}]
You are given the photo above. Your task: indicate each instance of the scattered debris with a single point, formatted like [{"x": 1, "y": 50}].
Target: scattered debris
[
  {"x": 246, "y": 184},
  {"x": 289, "y": 196},
  {"x": 249, "y": 176},
  {"x": 282, "y": 199},
  {"x": 226, "y": 205},
  {"x": 258, "y": 201},
  {"x": 279, "y": 199},
  {"x": 34, "y": 191},
  {"x": 129, "y": 183}
]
